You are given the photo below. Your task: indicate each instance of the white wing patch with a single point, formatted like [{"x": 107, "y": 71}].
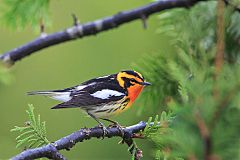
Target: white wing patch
[
  {"x": 84, "y": 86},
  {"x": 103, "y": 77},
  {"x": 106, "y": 93},
  {"x": 64, "y": 96},
  {"x": 81, "y": 87}
]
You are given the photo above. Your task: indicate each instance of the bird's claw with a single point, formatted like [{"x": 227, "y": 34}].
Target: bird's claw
[
  {"x": 119, "y": 127},
  {"x": 115, "y": 124},
  {"x": 105, "y": 131}
]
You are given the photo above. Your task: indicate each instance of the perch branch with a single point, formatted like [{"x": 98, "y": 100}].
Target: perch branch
[
  {"x": 92, "y": 28},
  {"x": 51, "y": 150}
]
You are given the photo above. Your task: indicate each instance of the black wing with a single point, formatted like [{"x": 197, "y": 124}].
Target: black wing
[{"x": 94, "y": 95}]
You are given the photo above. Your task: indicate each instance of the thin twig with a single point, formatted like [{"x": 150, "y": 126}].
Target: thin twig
[
  {"x": 92, "y": 28},
  {"x": 219, "y": 58},
  {"x": 222, "y": 104},
  {"x": 205, "y": 134},
  {"x": 76, "y": 22},
  {"x": 51, "y": 150}
]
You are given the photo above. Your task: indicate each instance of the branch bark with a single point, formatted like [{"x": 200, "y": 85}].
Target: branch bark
[
  {"x": 92, "y": 28},
  {"x": 51, "y": 150}
]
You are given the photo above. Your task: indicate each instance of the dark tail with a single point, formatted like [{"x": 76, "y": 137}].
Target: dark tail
[
  {"x": 64, "y": 105},
  {"x": 59, "y": 106},
  {"x": 45, "y": 93}
]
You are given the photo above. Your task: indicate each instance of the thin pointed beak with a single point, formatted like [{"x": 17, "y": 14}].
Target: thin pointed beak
[{"x": 145, "y": 83}]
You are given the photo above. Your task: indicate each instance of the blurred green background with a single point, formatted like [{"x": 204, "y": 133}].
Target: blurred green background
[{"x": 69, "y": 64}]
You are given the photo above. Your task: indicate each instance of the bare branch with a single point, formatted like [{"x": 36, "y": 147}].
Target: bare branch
[
  {"x": 75, "y": 20},
  {"x": 92, "y": 28},
  {"x": 51, "y": 150}
]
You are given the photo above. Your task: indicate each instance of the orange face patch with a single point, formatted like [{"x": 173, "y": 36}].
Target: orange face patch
[{"x": 134, "y": 91}]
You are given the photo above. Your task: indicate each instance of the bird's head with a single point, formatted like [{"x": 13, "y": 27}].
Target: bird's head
[
  {"x": 131, "y": 81},
  {"x": 131, "y": 78}
]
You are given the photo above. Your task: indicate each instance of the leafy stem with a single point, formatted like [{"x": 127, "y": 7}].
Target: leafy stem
[{"x": 33, "y": 133}]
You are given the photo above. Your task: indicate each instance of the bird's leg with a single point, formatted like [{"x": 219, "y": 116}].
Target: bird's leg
[
  {"x": 105, "y": 131},
  {"x": 115, "y": 123}
]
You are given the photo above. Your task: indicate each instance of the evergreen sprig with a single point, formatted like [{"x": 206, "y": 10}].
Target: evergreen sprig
[
  {"x": 157, "y": 123},
  {"x": 184, "y": 83},
  {"x": 169, "y": 71},
  {"x": 19, "y": 14},
  {"x": 33, "y": 134},
  {"x": 193, "y": 45}
]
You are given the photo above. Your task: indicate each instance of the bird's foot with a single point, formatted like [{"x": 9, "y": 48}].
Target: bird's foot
[
  {"x": 115, "y": 124},
  {"x": 119, "y": 127},
  {"x": 105, "y": 131}
]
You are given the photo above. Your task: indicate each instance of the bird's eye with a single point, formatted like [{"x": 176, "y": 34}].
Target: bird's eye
[{"x": 133, "y": 80}]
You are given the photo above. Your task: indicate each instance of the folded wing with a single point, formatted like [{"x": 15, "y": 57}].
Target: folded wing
[
  {"x": 94, "y": 95},
  {"x": 96, "y": 99}
]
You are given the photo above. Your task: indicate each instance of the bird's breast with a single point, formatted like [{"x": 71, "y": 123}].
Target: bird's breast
[{"x": 107, "y": 110}]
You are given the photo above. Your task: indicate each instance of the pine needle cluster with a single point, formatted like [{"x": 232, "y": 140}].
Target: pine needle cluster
[
  {"x": 33, "y": 134},
  {"x": 19, "y": 14},
  {"x": 206, "y": 108}
]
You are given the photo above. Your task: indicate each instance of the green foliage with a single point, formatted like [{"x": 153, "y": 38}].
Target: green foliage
[
  {"x": 184, "y": 83},
  {"x": 217, "y": 114},
  {"x": 19, "y": 14},
  {"x": 33, "y": 134},
  {"x": 169, "y": 72},
  {"x": 193, "y": 45},
  {"x": 158, "y": 124},
  {"x": 234, "y": 3},
  {"x": 157, "y": 127},
  {"x": 157, "y": 71},
  {"x": 151, "y": 127},
  {"x": 232, "y": 38},
  {"x": 133, "y": 149}
]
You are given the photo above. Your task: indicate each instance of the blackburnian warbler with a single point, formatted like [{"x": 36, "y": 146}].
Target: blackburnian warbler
[{"x": 100, "y": 97}]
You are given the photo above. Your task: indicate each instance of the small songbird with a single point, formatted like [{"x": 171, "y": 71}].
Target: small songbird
[{"x": 100, "y": 97}]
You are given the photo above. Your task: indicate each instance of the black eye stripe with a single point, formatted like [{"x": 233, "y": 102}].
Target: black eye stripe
[
  {"x": 134, "y": 80},
  {"x": 133, "y": 73},
  {"x": 130, "y": 80}
]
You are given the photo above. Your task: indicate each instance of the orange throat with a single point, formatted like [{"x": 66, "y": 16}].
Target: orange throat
[{"x": 133, "y": 92}]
